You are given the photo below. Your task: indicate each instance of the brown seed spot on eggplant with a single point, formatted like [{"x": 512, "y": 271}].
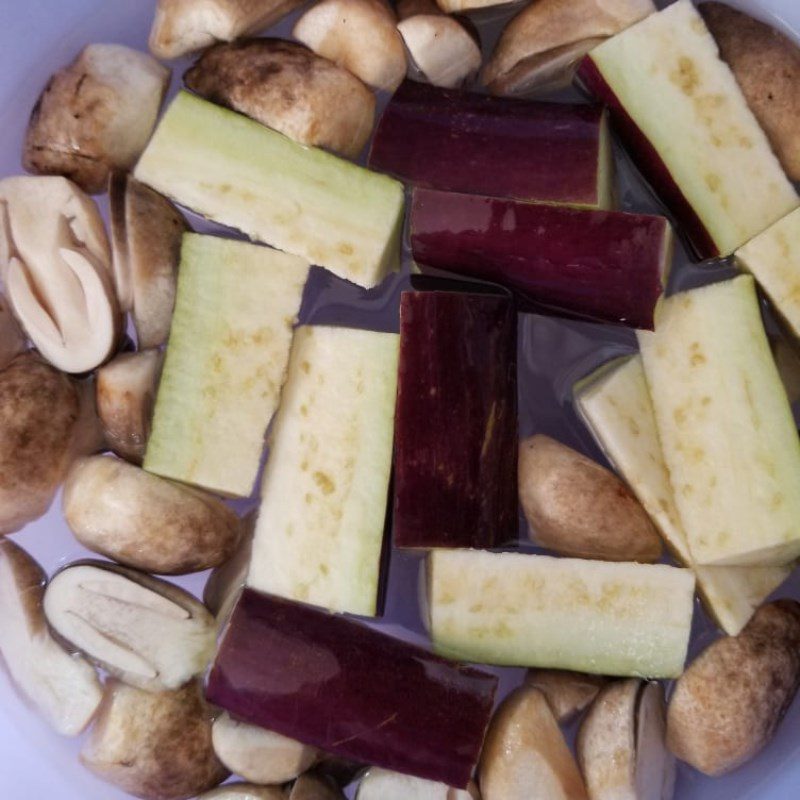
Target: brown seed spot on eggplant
[
  {"x": 686, "y": 76},
  {"x": 325, "y": 482}
]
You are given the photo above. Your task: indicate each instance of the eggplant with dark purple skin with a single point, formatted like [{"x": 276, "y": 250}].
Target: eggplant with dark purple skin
[
  {"x": 456, "y": 421},
  {"x": 465, "y": 142},
  {"x": 604, "y": 265},
  {"x": 350, "y": 690}
]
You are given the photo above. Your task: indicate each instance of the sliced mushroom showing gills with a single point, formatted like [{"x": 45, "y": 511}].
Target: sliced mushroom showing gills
[
  {"x": 55, "y": 264},
  {"x": 621, "y": 744},
  {"x": 145, "y": 631}
]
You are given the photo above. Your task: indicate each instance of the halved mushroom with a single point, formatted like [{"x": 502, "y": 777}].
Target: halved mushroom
[
  {"x": 154, "y": 745},
  {"x": 359, "y": 35},
  {"x": 145, "y": 631},
  {"x": 226, "y": 581},
  {"x": 383, "y": 784},
  {"x": 259, "y": 755},
  {"x": 244, "y": 791},
  {"x": 621, "y": 744},
  {"x": 96, "y": 114},
  {"x": 185, "y": 26},
  {"x": 540, "y": 47},
  {"x": 126, "y": 391},
  {"x": 63, "y": 688},
  {"x": 145, "y": 521},
  {"x": 289, "y": 88},
  {"x": 525, "y": 756},
  {"x": 55, "y": 258},
  {"x": 46, "y": 421},
  {"x": 567, "y": 693},
  {"x": 146, "y": 235},
  {"x": 314, "y": 787},
  {"x": 12, "y": 342}
]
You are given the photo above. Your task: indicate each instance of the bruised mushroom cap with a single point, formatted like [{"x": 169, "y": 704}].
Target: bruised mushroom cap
[
  {"x": 55, "y": 259},
  {"x": 95, "y": 115}
]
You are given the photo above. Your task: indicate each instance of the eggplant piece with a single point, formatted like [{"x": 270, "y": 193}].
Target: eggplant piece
[
  {"x": 457, "y": 373},
  {"x": 341, "y": 686},
  {"x": 465, "y": 142},
  {"x": 606, "y": 265}
]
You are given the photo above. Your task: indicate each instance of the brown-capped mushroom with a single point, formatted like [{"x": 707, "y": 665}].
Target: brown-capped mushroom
[
  {"x": 126, "y": 391},
  {"x": 567, "y": 693},
  {"x": 226, "y": 581},
  {"x": 62, "y": 687},
  {"x": 55, "y": 263},
  {"x": 540, "y": 47},
  {"x": 154, "y": 745},
  {"x": 621, "y": 744},
  {"x": 12, "y": 341},
  {"x": 383, "y": 784},
  {"x": 314, "y": 787},
  {"x": 286, "y": 86},
  {"x": 95, "y": 115},
  {"x": 359, "y": 35},
  {"x": 244, "y": 791},
  {"x": 185, "y": 26},
  {"x": 145, "y": 521},
  {"x": 146, "y": 235}
]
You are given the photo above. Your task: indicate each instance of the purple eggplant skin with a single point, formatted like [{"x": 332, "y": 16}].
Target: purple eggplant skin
[
  {"x": 603, "y": 265},
  {"x": 336, "y": 684},
  {"x": 700, "y": 243},
  {"x": 465, "y": 142},
  {"x": 455, "y": 469}
]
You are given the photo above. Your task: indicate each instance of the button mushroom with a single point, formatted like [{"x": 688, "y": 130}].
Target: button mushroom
[
  {"x": 383, "y": 784},
  {"x": 287, "y": 87},
  {"x": 63, "y": 688},
  {"x": 145, "y": 631},
  {"x": 146, "y": 235},
  {"x": 728, "y": 704},
  {"x": 54, "y": 258},
  {"x": 12, "y": 342},
  {"x": 359, "y": 35},
  {"x": 156, "y": 746},
  {"x": 95, "y": 115},
  {"x": 621, "y": 744},
  {"x": 46, "y": 420},
  {"x": 567, "y": 693}
]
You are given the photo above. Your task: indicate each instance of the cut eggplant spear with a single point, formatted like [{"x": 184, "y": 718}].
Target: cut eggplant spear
[
  {"x": 47, "y": 420},
  {"x": 567, "y": 693},
  {"x": 12, "y": 340},
  {"x": 314, "y": 787},
  {"x": 359, "y": 35},
  {"x": 259, "y": 755},
  {"x": 95, "y": 115},
  {"x": 185, "y": 26},
  {"x": 621, "y": 744},
  {"x": 126, "y": 393},
  {"x": 383, "y": 784},
  {"x": 525, "y": 756},
  {"x": 286, "y": 86},
  {"x": 539, "y": 49},
  {"x": 146, "y": 233},
  {"x": 154, "y": 745},
  {"x": 458, "y": 141},
  {"x": 63, "y": 688},
  {"x": 143, "y": 630},
  {"x": 55, "y": 264}
]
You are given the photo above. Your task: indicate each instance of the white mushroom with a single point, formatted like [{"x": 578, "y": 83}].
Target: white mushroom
[
  {"x": 63, "y": 688},
  {"x": 359, "y": 35},
  {"x": 55, "y": 259},
  {"x": 184, "y": 26},
  {"x": 95, "y": 115},
  {"x": 12, "y": 341}
]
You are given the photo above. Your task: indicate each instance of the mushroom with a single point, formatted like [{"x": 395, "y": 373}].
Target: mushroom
[
  {"x": 728, "y": 704},
  {"x": 46, "y": 421},
  {"x": 63, "y": 688},
  {"x": 156, "y": 746},
  {"x": 54, "y": 258},
  {"x": 259, "y": 755},
  {"x": 446, "y": 50},
  {"x": 621, "y": 746},
  {"x": 96, "y": 114},
  {"x": 147, "y": 522},
  {"x": 12, "y": 341},
  {"x": 145, "y": 631},
  {"x": 289, "y": 88},
  {"x": 525, "y": 756},
  {"x": 244, "y": 791},
  {"x": 383, "y": 784},
  {"x": 314, "y": 787},
  {"x": 578, "y": 508},
  {"x": 126, "y": 389},
  {"x": 359, "y": 35},
  {"x": 567, "y": 693},
  {"x": 226, "y": 581},
  {"x": 540, "y": 47},
  {"x": 146, "y": 235},
  {"x": 185, "y": 26}
]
